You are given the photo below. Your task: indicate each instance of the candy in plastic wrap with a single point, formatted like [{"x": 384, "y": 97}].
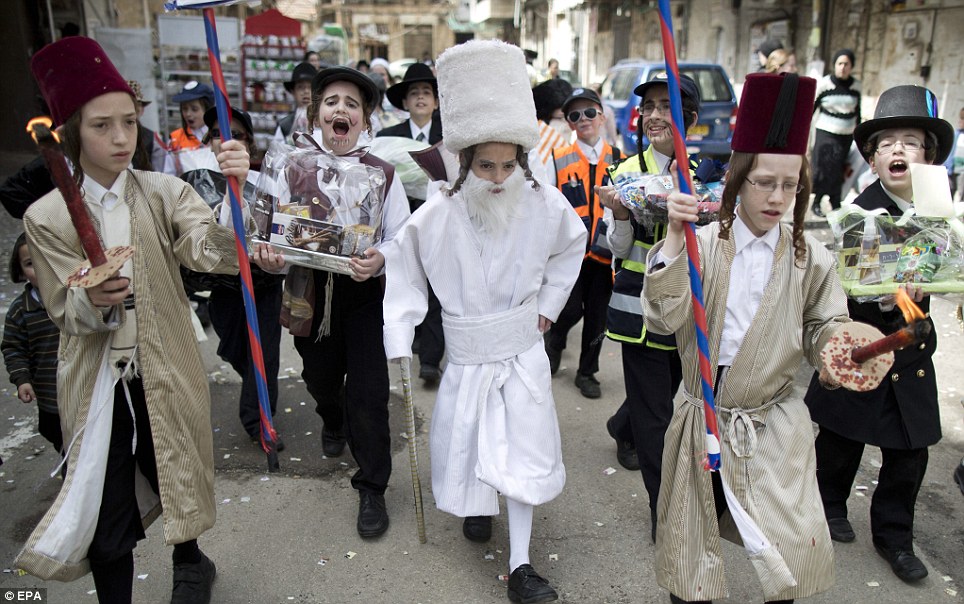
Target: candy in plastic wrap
[
  {"x": 645, "y": 196},
  {"x": 356, "y": 239}
]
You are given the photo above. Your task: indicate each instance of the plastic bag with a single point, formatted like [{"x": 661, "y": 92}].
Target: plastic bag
[
  {"x": 320, "y": 209},
  {"x": 645, "y": 196},
  {"x": 877, "y": 252}
]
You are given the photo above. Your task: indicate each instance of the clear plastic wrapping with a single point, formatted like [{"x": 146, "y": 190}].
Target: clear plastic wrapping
[
  {"x": 318, "y": 209},
  {"x": 877, "y": 252},
  {"x": 645, "y": 196}
]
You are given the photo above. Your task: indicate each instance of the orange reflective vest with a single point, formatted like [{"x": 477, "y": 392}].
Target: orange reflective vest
[
  {"x": 576, "y": 178},
  {"x": 183, "y": 139}
]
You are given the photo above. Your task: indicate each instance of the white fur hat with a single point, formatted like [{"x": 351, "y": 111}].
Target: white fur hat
[{"x": 484, "y": 96}]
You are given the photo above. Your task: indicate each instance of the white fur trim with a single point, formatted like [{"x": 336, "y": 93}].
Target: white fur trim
[{"x": 484, "y": 96}]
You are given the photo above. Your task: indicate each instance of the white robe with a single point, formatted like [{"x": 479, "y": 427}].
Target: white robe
[{"x": 494, "y": 427}]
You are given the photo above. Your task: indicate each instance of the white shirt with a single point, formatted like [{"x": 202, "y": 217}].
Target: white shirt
[
  {"x": 749, "y": 275},
  {"x": 416, "y": 130},
  {"x": 111, "y": 213}
]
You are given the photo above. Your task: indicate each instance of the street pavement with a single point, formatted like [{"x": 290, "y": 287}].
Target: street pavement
[{"x": 290, "y": 536}]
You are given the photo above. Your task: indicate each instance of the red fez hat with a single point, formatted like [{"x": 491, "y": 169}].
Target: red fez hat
[
  {"x": 71, "y": 72},
  {"x": 774, "y": 114}
]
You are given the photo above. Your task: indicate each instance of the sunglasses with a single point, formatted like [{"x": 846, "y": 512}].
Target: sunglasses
[
  {"x": 237, "y": 135},
  {"x": 589, "y": 112}
]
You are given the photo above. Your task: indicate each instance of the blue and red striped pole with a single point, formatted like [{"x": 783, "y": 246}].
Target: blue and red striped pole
[
  {"x": 269, "y": 437},
  {"x": 692, "y": 251}
]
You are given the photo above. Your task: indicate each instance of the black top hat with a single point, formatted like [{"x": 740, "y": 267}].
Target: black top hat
[
  {"x": 417, "y": 72},
  {"x": 581, "y": 93},
  {"x": 211, "y": 116},
  {"x": 687, "y": 86},
  {"x": 907, "y": 106},
  {"x": 303, "y": 72},
  {"x": 346, "y": 74}
]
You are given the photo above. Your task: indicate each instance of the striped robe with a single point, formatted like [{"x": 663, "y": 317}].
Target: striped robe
[
  {"x": 768, "y": 458},
  {"x": 494, "y": 426},
  {"x": 170, "y": 225}
]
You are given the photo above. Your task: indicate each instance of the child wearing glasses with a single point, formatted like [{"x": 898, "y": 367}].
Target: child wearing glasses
[
  {"x": 578, "y": 169},
  {"x": 772, "y": 299},
  {"x": 901, "y": 416},
  {"x": 227, "y": 304}
]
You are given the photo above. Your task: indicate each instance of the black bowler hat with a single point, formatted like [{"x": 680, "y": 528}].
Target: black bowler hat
[
  {"x": 417, "y": 72},
  {"x": 687, "y": 86},
  {"x": 303, "y": 72},
  {"x": 907, "y": 106},
  {"x": 346, "y": 74}
]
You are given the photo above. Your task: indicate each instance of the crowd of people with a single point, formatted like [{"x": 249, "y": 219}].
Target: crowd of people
[{"x": 484, "y": 277}]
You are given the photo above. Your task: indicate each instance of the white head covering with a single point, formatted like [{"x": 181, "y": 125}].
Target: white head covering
[{"x": 484, "y": 96}]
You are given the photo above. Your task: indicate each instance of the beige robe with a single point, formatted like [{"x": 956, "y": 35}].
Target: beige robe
[
  {"x": 170, "y": 225},
  {"x": 770, "y": 467}
]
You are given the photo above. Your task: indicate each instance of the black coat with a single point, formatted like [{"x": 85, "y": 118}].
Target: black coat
[
  {"x": 405, "y": 131},
  {"x": 32, "y": 182},
  {"x": 901, "y": 413}
]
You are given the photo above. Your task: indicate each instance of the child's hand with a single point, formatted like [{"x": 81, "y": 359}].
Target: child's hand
[
  {"x": 826, "y": 380},
  {"x": 26, "y": 393},
  {"x": 544, "y": 324},
  {"x": 265, "y": 257},
  {"x": 914, "y": 291},
  {"x": 681, "y": 208},
  {"x": 234, "y": 160},
  {"x": 110, "y": 293},
  {"x": 609, "y": 198},
  {"x": 367, "y": 265}
]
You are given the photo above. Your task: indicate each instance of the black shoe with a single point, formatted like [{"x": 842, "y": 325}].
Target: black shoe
[
  {"x": 815, "y": 208},
  {"x": 527, "y": 587},
  {"x": 625, "y": 451},
  {"x": 904, "y": 563},
  {"x": 959, "y": 475},
  {"x": 477, "y": 528},
  {"x": 279, "y": 445},
  {"x": 193, "y": 581},
  {"x": 555, "y": 357},
  {"x": 372, "y": 514},
  {"x": 588, "y": 385},
  {"x": 332, "y": 442},
  {"x": 840, "y": 530},
  {"x": 430, "y": 374},
  {"x": 676, "y": 600}
]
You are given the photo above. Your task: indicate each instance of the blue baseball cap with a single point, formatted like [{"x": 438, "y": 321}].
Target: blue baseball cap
[{"x": 193, "y": 91}]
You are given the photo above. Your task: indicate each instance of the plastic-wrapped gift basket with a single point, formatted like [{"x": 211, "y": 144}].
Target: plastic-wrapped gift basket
[{"x": 317, "y": 208}]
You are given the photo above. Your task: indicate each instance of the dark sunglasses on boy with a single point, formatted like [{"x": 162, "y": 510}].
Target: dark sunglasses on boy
[
  {"x": 589, "y": 112},
  {"x": 237, "y": 135}
]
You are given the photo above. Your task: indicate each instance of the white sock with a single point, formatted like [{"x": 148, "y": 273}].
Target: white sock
[{"x": 520, "y": 530}]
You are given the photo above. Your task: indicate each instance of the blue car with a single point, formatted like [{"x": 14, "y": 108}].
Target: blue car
[{"x": 712, "y": 133}]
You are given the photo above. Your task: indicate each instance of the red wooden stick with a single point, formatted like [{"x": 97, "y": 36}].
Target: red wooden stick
[
  {"x": 39, "y": 129},
  {"x": 914, "y": 333}
]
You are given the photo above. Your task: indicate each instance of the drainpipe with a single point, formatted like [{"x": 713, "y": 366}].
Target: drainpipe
[{"x": 50, "y": 20}]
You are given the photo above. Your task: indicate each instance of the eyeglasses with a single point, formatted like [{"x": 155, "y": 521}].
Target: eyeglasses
[
  {"x": 589, "y": 112},
  {"x": 649, "y": 108},
  {"x": 237, "y": 135},
  {"x": 886, "y": 147},
  {"x": 769, "y": 186}
]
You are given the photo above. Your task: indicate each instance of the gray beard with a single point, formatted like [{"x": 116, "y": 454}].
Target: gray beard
[{"x": 491, "y": 212}]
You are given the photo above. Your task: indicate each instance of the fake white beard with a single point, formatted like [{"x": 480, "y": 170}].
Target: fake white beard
[{"x": 491, "y": 212}]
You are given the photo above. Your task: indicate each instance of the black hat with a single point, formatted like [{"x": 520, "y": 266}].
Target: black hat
[
  {"x": 768, "y": 46},
  {"x": 907, "y": 106},
  {"x": 417, "y": 72},
  {"x": 581, "y": 93},
  {"x": 549, "y": 96},
  {"x": 211, "y": 116},
  {"x": 303, "y": 72},
  {"x": 687, "y": 86},
  {"x": 346, "y": 74}
]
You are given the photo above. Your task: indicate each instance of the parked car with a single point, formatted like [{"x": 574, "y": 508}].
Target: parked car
[{"x": 712, "y": 133}]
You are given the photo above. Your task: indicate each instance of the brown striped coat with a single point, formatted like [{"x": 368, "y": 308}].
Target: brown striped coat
[
  {"x": 766, "y": 435},
  {"x": 170, "y": 225}
]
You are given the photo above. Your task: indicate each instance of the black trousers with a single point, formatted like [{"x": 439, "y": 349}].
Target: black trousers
[
  {"x": 230, "y": 323},
  {"x": 898, "y": 483},
  {"x": 652, "y": 377},
  {"x": 347, "y": 374},
  {"x": 431, "y": 340},
  {"x": 119, "y": 525},
  {"x": 588, "y": 301},
  {"x": 48, "y": 424}
]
